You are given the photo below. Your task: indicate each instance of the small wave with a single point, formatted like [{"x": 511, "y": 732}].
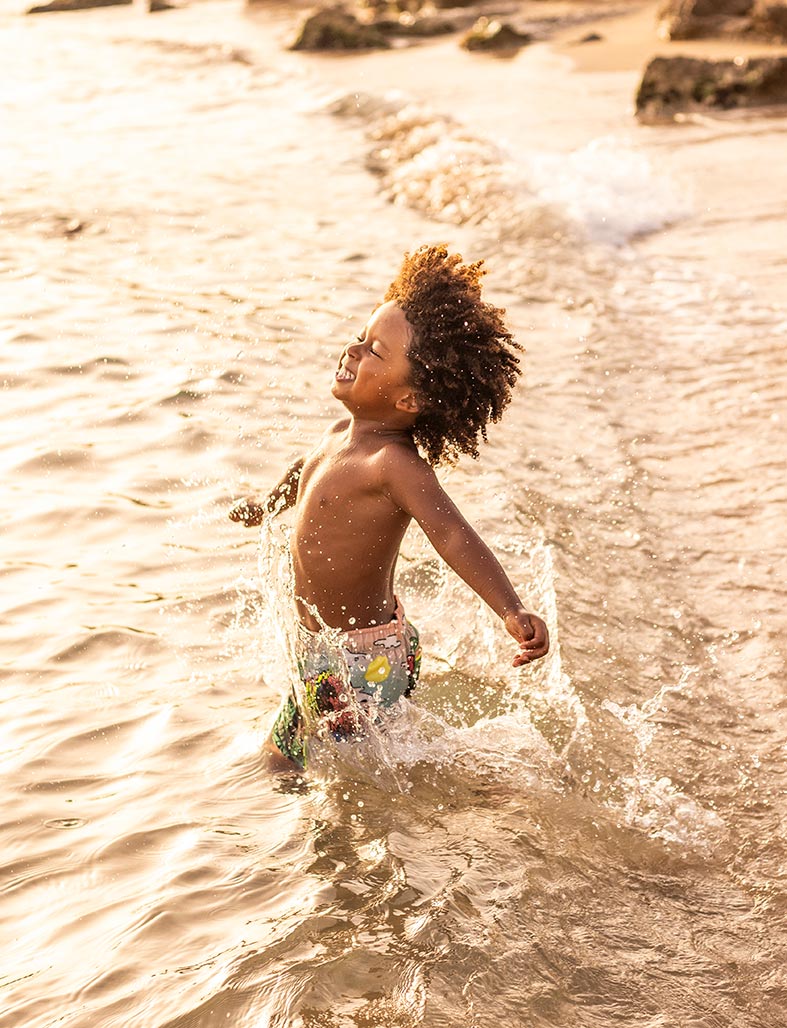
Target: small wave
[
  {"x": 609, "y": 189},
  {"x": 662, "y": 811},
  {"x": 433, "y": 163},
  {"x": 106, "y": 640},
  {"x": 605, "y": 192}
]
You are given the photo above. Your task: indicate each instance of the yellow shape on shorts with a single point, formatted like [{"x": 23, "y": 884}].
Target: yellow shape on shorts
[{"x": 378, "y": 670}]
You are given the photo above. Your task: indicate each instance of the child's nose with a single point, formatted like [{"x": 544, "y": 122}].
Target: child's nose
[{"x": 354, "y": 349}]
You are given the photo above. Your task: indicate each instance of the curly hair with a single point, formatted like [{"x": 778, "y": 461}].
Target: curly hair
[{"x": 463, "y": 358}]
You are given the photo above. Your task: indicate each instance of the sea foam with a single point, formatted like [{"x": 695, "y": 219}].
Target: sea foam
[{"x": 605, "y": 192}]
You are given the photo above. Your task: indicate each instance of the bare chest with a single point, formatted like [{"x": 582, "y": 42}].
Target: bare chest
[
  {"x": 328, "y": 480},
  {"x": 340, "y": 493}
]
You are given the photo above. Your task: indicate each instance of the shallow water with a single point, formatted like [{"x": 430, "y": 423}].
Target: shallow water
[{"x": 193, "y": 221}]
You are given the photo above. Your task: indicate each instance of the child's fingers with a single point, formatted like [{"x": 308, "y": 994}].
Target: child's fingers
[
  {"x": 535, "y": 647},
  {"x": 525, "y": 656},
  {"x": 532, "y": 634}
]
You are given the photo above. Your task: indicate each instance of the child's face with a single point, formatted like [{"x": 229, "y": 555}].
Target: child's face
[{"x": 373, "y": 376}]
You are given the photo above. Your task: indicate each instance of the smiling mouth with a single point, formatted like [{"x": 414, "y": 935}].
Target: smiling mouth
[{"x": 343, "y": 375}]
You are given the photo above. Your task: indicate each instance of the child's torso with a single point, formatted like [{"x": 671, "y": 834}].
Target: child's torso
[{"x": 347, "y": 535}]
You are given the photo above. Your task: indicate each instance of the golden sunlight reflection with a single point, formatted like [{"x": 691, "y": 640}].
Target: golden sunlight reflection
[{"x": 195, "y": 221}]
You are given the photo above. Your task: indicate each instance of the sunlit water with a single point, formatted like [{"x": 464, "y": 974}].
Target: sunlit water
[{"x": 193, "y": 221}]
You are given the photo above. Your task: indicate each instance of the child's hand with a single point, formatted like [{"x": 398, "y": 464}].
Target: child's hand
[
  {"x": 531, "y": 634},
  {"x": 248, "y": 512}
]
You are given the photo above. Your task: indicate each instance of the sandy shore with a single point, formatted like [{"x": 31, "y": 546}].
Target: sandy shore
[{"x": 629, "y": 40}]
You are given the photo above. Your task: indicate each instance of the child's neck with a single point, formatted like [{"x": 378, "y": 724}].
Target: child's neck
[{"x": 361, "y": 429}]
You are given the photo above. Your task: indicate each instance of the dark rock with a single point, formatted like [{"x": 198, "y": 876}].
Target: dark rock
[
  {"x": 491, "y": 35},
  {"x": 697, "y": 19},
  {"x": 672, "y": 85},
  {"x": 74, "y": 5},
  {"x": 701, "y": 19},
  {"x": 769, "y": 20},
  {"x": 334, "y": 28}
]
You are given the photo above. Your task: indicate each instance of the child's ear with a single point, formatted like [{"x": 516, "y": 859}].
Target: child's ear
[{"x": 408, "y": 403}]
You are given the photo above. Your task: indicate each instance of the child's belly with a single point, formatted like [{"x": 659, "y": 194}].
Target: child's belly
[{"x": 345, "y": 588}]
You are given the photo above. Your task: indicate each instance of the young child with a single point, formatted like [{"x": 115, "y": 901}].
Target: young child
[{"x": 433, "y": 365}]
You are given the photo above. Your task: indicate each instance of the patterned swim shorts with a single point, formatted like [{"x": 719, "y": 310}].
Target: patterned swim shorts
[{"x": 383, "y": 662}]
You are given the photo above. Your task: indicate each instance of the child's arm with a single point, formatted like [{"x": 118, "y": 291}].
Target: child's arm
[
  {"x": 413, "y": 486},
  {"x": 281, "y": 497}
]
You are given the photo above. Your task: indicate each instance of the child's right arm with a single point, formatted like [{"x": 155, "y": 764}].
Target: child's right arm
[{"x": 252, "y": 512}]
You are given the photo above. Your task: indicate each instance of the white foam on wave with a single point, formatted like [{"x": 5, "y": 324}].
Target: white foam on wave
[
  {"x": 609, "y": 189},
  {"x": 606, "y": 192},
  {"x": 430, "y": 161}
]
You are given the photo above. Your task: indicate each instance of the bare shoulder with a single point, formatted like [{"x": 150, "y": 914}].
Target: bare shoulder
[
  {"x": 411, "y": 484},
  {"x": 400, "y": 462}
]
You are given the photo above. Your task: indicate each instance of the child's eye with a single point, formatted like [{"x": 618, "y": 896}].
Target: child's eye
[{"x": 376, "y": 354}]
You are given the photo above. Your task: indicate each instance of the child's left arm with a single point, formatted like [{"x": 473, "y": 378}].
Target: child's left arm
[
  {"x": 414, "y": 487},
  {"x": 251, "y": 512}
]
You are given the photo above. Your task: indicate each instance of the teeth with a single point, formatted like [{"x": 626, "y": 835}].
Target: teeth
[{"x": 343, "y": 375}]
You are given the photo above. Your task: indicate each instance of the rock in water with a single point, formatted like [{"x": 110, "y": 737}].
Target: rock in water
[
  {"x": 671, "y": 85},
  {"x": 700, "y": 19},
  {"x": 697, "y": 19},
  {"x": 494, "y": 36},
  {"x": 334, "y": 28}
]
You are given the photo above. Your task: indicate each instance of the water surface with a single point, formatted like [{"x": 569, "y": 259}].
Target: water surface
[{"x": 193, "y": 222}]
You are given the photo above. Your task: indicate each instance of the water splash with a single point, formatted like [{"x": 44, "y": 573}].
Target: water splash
[
  {"x": 529, "y": 738},
  {"x": 609, "y": 189},
  {"x": 507, "y": 742},
  {"x": 653, "y": 803}
]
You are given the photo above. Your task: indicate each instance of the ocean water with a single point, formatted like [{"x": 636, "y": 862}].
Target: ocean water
[{"x": 193, "y": 221}]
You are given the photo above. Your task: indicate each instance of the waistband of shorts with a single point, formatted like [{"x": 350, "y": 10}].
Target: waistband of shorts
[
  {"x": 361, "y": 638},
  {"x": 368, "y": 634}
]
